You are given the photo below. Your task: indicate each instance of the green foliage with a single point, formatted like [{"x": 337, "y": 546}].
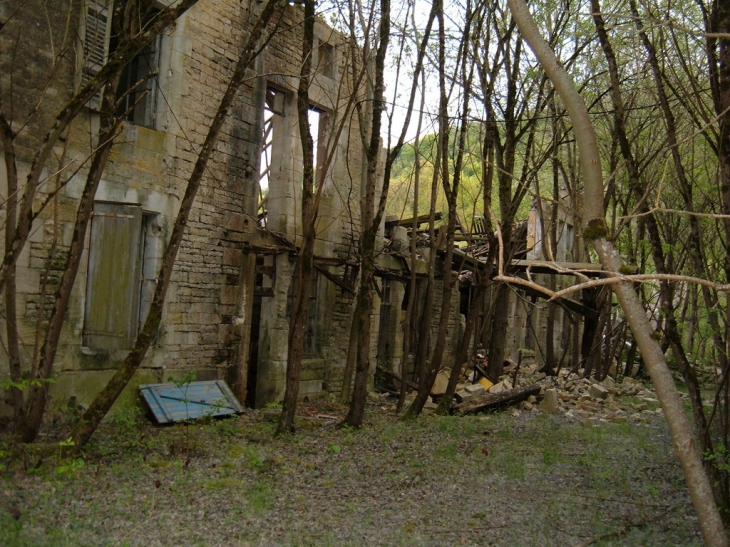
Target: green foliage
[
  {"x": 625, "y": 269},
  {"x": 185, "y": 380},
  {"x": 25, "y": 383},
  {"x": 720, "y": 458},
  {"x": 259, "y": 496},
  {"x": 254, "y": 458},
  {"x": 227, "y": 427},
  {"x": 596, "y": 229},
  {"x": 4, "y": 456},
  {"x": 69, "y": 467}
]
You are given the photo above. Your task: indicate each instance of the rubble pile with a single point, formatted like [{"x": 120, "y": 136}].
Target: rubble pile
[{"x": 568, "y": 394}]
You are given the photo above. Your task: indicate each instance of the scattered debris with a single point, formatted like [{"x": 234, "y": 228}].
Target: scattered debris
[
  {"x": 599, "y": 392},
  {"x": 549, "y": 402},
  {"x": 441, "y": 383},
  {"x": 524, "y": 388}
]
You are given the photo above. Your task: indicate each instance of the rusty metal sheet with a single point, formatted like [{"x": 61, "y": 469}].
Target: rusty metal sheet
[{"x": 175, "y": 403}]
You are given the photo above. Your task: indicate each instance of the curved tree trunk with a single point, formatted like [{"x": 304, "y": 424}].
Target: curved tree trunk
[{"x": 597, "y": 232}]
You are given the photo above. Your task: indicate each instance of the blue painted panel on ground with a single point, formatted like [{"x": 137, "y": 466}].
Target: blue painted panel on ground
[{"x": 174, "y": 403}]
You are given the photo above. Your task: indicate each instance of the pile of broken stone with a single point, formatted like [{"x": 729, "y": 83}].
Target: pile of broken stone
[{"x": 568, "y": 394}]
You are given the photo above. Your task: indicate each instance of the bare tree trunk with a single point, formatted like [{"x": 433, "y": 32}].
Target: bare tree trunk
[
  {"x": 639, "y": 191},
  {"x": 346, "y": 393},
  {"x": 305, "y": 264},
  {"x": 451, "y": 191},
  {"x": 408, "y": 320},
  {"x": 422, "y": 356},
  {"x": 370, "y": 223},
  {"x": 717, "y": 25},
  {"x": 91, "y": 419},
  {"x": 38, "y": 394},
  {"x": 371, "y": 216},
  {"x": 15, "y": 396},
  {"x": 597, "y": 232}
]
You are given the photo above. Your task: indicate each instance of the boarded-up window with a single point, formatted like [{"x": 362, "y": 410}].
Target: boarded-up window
[{"x": 112, "y": 318}]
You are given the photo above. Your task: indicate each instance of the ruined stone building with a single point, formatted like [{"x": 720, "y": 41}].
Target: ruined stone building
[{"x": 226, "y": 313}]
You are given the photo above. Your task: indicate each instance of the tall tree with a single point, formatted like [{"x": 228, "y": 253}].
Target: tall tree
[
  {"x": 450, "y": 187},
  {"x": 372, "y": 214},
  {"x": 305, "y": 262}
]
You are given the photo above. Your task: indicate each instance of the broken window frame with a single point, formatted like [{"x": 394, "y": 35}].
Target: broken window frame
[
  {"x": 274, "y": 102},
  {"x": 274, "y": 106}
]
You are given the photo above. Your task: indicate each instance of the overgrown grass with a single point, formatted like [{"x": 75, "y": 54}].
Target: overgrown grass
[{"x": 485, "y": 480}]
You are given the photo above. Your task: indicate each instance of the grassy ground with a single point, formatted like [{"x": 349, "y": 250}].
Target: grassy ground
[{"x": 499, "y": 479}]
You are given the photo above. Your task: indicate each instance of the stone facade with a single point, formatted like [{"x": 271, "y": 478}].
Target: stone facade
[
  {"x": 206, "y": 325},
  {"x": 227, "y": 309}
]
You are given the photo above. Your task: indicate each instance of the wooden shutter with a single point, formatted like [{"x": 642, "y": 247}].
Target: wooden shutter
[
  {"x": 97, "y": 28},
  {"x": 111, "y": 320}
]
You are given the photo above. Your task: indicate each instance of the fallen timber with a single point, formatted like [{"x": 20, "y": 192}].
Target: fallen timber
[{"x": 493, "y": 400}]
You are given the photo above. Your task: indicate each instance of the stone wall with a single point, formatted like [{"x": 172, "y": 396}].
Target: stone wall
[
  {"x": 206, "y": 321},
  {"x": 533, "y": 320},
  {"x": 339, "y": 177}
]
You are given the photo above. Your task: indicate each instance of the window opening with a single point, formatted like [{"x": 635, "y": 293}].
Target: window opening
[
  {"x": 326, "y": 60},
  {"x": 136, "y": 92},
  {"x": 273, "y": 107},
  {"x": 151, "y": 254},
  {"x": 272, "y": 142},
  {"x": 319, "y": 127},
  {"x": 137, "y": 86},
  {"x": 386, "y": 334},
  {"x": 569, "y": 236},
  {"x": 265, "y": 275}
]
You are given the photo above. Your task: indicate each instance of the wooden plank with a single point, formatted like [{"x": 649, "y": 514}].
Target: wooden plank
[
  {"x": 492, "y": 400},
  {"x": 409, "y": 221}
]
